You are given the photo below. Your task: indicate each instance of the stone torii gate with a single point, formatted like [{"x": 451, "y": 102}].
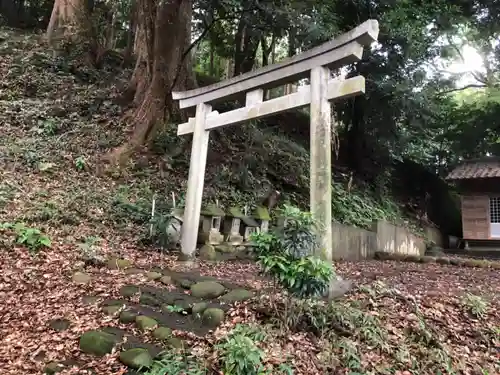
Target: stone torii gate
[{"x": 314, "y": 64}]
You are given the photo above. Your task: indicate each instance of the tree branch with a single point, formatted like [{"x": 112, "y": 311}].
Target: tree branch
[{"x": 472, "y": 85}]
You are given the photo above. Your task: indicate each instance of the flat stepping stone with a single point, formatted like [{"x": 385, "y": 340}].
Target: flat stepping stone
[
  {"x": 145, "y": 323},
  {"x": 81, "y": 278},
  {"x": 157, "y": 297},
  {"x": 151, "y": 275},
  {"x": 166, "y": 280},
  {"x": 176, "y": 321},
  {"x": 132, "y": 271},
  {"x": 59, "y": 325},
  {"x": 162, "y": 333},
  {"x": 193, "y": 277},
  {"x": 53, "y": 368},
  {"x": 112, "y": 310},
  {"x": 90, "y": 300},
  {"x": 236, "y": 295},
  {"x": 213, "y": 317},
  {"x": 136, "y": 358},
  {"x": 97, "y": 343},
  {"x": 199, "y": 307},
  {"x": 129, "y": 290},
  {"x": 118, "y": 263},
  {"x": 207, "y": 289},
  {"x": 127, "y": 317},
  {"x": 113, "y": 302},
  {"x": 130, "y": 341}
]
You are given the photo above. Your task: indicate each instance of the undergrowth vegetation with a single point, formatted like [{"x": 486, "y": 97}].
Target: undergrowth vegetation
[{"x": 290, "y": 254}]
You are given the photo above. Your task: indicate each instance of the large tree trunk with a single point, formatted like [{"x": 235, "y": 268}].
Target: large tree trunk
[
  {"x": 161, "y": 67},
  {"x": 10, "y": 11},
  {"x": 247, "y": 40},
  {"x": 66, "y": 14}
]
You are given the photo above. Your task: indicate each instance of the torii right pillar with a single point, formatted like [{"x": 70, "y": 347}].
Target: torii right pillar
[{"x": 321, "y": 160}]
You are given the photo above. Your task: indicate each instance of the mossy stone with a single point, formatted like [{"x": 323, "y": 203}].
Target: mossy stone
[
  {"x": 81, "y": 278},
  {"x": 185, "y": 283},
  {"x": 59, "y": 324},
  {"x": 90, "y": 300},
  {"x": 236, "y": 295},
  {"x": 199, "y": 307},
  {"x": 213, "y": 317},
  {"x": 412, "y": 258},
  {"x": 132, "y": 271},
  {"x": 129, "y": 290},
  {"x": 427, "y": 259},
  {"x": 443, "y": 260},
  {"x": 225, "y": 248},
  {"x": 207, "y": 252},
  {"x": 153, "y": 275},
  {"x": 127, "y": 317},
  {"x": 145, "y": 323},
  {"x": 166, "y": 280},
  {"x": 111, "y": 310},
  {"x": 149, "y": 300},
  {"x": 162, "y": 333},
  {"x": 53, "y": 368},
  {"x": 136, "y": 358},
  {"x": 118, "y": 263},
  {"x": 97, "y": 343},
  {"x": 175, "y": 342},
  {"x": 207, "y": 289}
]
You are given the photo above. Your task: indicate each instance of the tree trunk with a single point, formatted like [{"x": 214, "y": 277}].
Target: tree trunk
[
  {"x": 247, "y": 42},
  {"x": 65, "y": 15},
  {"x": 292, "y": 50},
  {"x": 160, "y": 68},
  {"x": 10, "y": 11},
  {"x": 127, "y": 55}
]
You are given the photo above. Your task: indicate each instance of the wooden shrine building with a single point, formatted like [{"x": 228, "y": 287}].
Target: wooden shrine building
[{"x": 478, "y": 182}]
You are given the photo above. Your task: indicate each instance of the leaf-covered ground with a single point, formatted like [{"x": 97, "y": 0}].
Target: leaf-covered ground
[{"x": 57, "y": 118}]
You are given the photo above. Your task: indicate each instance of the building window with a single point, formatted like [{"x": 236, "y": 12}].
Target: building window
[
  {"x": 216, "y": 220},
  {"x": 236, "y": 226},
  {"x": 495, "y": 210}
]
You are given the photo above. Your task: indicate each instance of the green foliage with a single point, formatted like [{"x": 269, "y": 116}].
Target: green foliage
[
  {"x": 298, "y": 234},
  {"x": 239, "y": 354},
  {"x": 305, "y": 277},
  {"x": 173, "y": 362},
  {"x": 475, "y": 305},
  {"x": 32, "y": 238},
  {"x": 176, "y": 308},
  {"x": 159, "y": 234},
  {"x": 80, "y": 163},
  {"x": 286, "y": 254},
  {"x": 265, "y": 243}
]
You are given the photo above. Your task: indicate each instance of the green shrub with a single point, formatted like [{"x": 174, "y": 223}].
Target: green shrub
[
  {"x": 32, "y": 238},
  {"x": 239, "y": 354},
  {"x": 305, "y": 277},
  {"x": 265, "y": 243},
  {"x": 286, "y": 254},
  {"x": 173, "y": 362},
  {"x": 80, "y": 163},
  {"x": 475, "y": 305},
  {"x": 298, "y": 234}
]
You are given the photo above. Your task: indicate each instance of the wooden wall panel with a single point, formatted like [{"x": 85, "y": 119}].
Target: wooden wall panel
[{"x": 475, "y": 217}]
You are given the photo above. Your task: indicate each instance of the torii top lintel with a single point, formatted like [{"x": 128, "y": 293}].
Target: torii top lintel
[{"x": 344, "y": 49}]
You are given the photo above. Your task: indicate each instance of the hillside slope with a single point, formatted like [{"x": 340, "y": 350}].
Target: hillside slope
[{"x": 58, "y": 120}]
